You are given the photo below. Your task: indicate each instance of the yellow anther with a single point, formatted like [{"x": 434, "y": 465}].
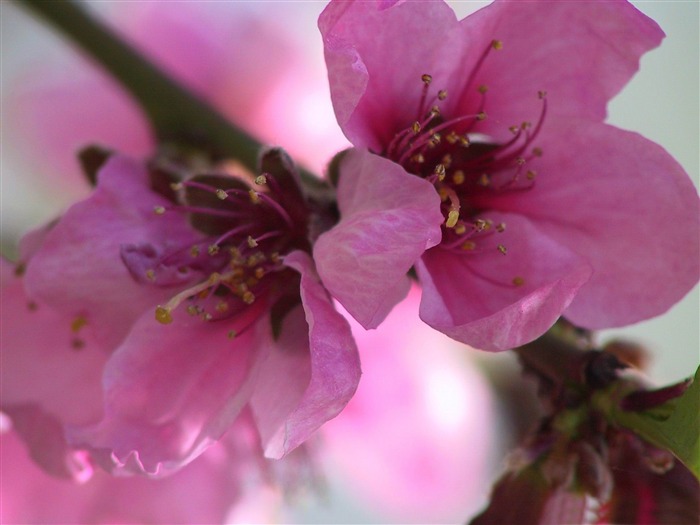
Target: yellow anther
[
  {"x": 452, "y": 137},
  {"x": 464, "y": 141},
  {"x": 252, "y": 242},
  {"x": 213, "y": 249},
  {"x": 530, "y": 175},
  {"x": 150, "y": 275},
  {"x": 176, "y": 186},
  {"x": 418, "y": 158},
  {"x": 452, "y": 219},
  {"x": 442, "y": 94},
  {"x": 484, "y": 179},
  {"x": 483, "y": 88},
  {"x": 518, "y": 281},
  {"x": 434, "y": 139},
  {"x": 502, "y": 249},
  {"x": 481, "y": 225},
  {"x": 259, "y": 272},
  {"x": 481, "y": 116},
  {"x": 501, "y": 227},
  {"x": 248, "y": 297},
  {"x": 254, "y": 197},
  {"x": 158, "y": 210},
  {"x": 232, "y": 334},
  {"x": 163, "y": 315},
  {"x": 434, "y": 111},
  {"x": 221, "y": 306},
  {"x": 520, "y": 161},
  {"x": 261, "y": 180},
  {"x": 468, "y": 246},
  {"x": 78, "y": 323},
  {"x": 194, "y": 251},
  {"x": 192, "y": 310},
  {"x": 415, "y": 127},
  {"x": 497, "y": 45},
  {"x": 458, "y": 177},
  {"x": 460, "y": 229},
  {"x": 206, "y": 316},
  {"x": 427, "y": 79},
  {"x": 440, "y": 171},
  {"x": 221, "y": 194}
]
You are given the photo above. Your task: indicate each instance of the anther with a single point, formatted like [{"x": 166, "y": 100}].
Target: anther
[
  {"x": 520, "y": 161},
  {"x": 192, "y": 310},
  {"x": 254, "y": 197},
  {"x": 452, "y": 219},
  {"x": 252, "y": 242},
  {"x": 221, "y": 194},
  {"x": 442, "y": 94},
  {"x": 440, "y": 171},
  {"x": 502, "y": 249},
  {"x": 541, "y": 94},
  {"x": 427, "y": 79},
  {"x": 458, "y": 177},
  {"x": 151, "y": 274},
  {"x": 259, "y": 272},
  {"x": 460, "y": 229},
  {"x": 435, "y": 111},
  {"x": 518, "y": 281},
  {"x": 231, "y": 334},
  {"x": 213, "y": 249},
  {"x": 484, "y": 180},
  {"x": 497, "y": 45},
  {"x": 418, "y": 158},
  {"x": 176, "y": 186},
  {"x": 483, "y": 88},
  {"x": 194, "y": 251},
  {"x": 158, "y": 210},
  {"x": 501, "y": 227},
  {"x": 77, "y": 324},
  {"x": 221, "y": 306},
  {"x": 468, "y": 246},
  {"x": 261, "y": 180},
  {"x": 481, "y": 116},
  {"x": 530, "y": 175},
  {"x": 248, "y": 297},
  {"x": 163, "y": 315},
  {"x": 537, "y": 152},
  {"x": 416, "y": 127}
]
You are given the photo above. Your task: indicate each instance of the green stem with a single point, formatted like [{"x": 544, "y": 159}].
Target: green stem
[{"x": 176, "y": 115}]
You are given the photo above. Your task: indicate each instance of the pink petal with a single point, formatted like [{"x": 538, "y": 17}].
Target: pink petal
[
  {"x": 388, "y": 219},
  {"x": 372, "y": 89},
  {"x": 308, "y": 377},
  {"x": 494, "y": 301},
  {"x": 626, "y": 206},
  {"x": 170, "y": 392},
  {"x": 202, "y": 492},
  {"x": 581, "y": 54},
  {"x": 83, "y": 248},
  {"x": 47, "y": 361}
]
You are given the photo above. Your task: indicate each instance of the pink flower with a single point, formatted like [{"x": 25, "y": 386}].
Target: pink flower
[
  {"x": 244, "y": 321},
  {"x": 483, "y": 161},
  {"x": 421, "y": 425}
]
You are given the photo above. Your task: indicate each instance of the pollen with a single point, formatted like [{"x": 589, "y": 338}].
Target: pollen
[
  {"x": 458, "y": 177},
  {"x": 254, "y": 197},
  {"x": 542, "y": 95},
  {"x": 452, "y": 219},
  {"x": 248, "y": 297},
  {"x": 481, "y": 116},
  {"x": 501, "y": 227},
  {"x": 483, "y": 89},
  {"x": 460, "y": 229},
  {"x": 163, "y": 315},
  {"x": 221, "y": 306},
  {"x": 252, "y": 242},
  {"x": 440, "y": 171},
  {"x": 502, "y": 249},
  {"x": 497, "y": 45},
  {"x": 444, "y": 194},
  {"x": 151, "y": 274},
  {"x": 213, "y": 249},
  {"x": 232, "y": 334},
  {"x": 261, "y": 180},
  {"x": 158, "y": 210},
  {"x": 192, "y": 310},
  {"x": 518, "y": 281},
  {"x": 468, "y": 246},
  {"x": 221, "y": 194},
  {"x": 484, "y": 180},
  {"x": 78, "y": 323},
  {"x": 416, "y": 127},
  {"x": 442, "y": 94},
  {"x": 530, "y": 175},
  {"x": 427, "y": 79},
  {"x": 259, "y": 272},
  {"x": 194, "y": 251}
]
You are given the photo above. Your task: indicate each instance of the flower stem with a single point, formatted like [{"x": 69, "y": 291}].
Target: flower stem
[{"x": 176, "y": 115}]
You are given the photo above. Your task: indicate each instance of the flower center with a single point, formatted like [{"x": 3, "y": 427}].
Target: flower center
[
  {"x": 247, "y": 227},
  {"x": 466, "y": 166}
]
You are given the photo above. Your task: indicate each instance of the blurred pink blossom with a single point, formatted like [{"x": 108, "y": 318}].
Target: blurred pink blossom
[{"x": 539, "y": 209}]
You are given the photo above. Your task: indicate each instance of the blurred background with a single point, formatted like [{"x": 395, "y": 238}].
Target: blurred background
[{"x": 48, "y": 93}]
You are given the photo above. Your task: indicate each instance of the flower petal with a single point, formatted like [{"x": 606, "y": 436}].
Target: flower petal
[
  {"x": 171, "y": 391},
  {"x": 309, "y": 376},
  {"x": 582, "y": 54},
  {"x": 388, "y": 219},
  {"x": 494, "y": 301},
  {"x": 371, "y": 89},
  {"x": 84, "y": 247},
  {"x": 626, "y": 206}
]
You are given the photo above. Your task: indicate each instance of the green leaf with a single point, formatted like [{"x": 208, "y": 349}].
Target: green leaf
[{"x": 674, "y": 425}]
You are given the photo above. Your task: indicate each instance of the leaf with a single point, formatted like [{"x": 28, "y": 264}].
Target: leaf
[{"x": 674, "y": 425}]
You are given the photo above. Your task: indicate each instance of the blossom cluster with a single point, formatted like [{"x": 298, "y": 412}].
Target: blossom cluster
[{"x": 191, "y": 306}]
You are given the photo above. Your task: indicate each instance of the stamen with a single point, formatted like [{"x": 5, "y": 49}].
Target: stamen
[{"x": 502, "y": 249}]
